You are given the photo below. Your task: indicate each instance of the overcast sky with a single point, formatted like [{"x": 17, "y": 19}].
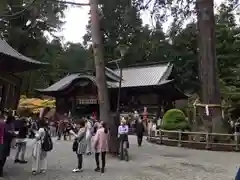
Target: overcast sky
[{"x": 76, "y": 19}]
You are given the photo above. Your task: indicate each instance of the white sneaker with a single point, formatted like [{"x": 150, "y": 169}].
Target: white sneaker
[
  {"x": 77, "y": 170},
  {"x": 42, "y": 171}
]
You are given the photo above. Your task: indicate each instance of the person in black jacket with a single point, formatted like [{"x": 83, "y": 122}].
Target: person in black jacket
[
  {"x": 139, "y": 131},
  {"x": 3, "y": 156},
  {"x": 21, "y": 142},
  {"x": 8, "y": 135}
]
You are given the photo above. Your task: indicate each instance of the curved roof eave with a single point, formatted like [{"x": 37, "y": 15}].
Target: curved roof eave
[
  {"x": 167, "y": 73},
  {"x": 65, "y": 83},
  {"x": 6, "y": 49}
]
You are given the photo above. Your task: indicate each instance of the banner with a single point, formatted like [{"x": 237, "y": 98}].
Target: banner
[{"x": 87, "y": 101}]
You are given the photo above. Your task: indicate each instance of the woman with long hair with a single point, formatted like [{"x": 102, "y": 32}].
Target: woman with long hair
[
  {"x": 81, "y": 145},
  {"x": 39, "y": 161},
  {"x": 101, "y": 146},
  {"x": 89, "y": 136}
]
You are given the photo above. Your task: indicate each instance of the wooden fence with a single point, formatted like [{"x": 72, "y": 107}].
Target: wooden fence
[{"x": 197, "y": 140}]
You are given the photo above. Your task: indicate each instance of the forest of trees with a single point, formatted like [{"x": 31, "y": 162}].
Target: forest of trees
[{"x": 121, "y": 24}]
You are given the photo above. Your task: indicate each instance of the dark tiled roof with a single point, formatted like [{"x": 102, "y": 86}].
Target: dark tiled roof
[
  {"x": 132, "y": 77},
  {"x": 145, "y": 76},
  {"x": 112, "y": 74},
  {"x": 6, "y": 49},
  {"x": 65, "y": 82}
]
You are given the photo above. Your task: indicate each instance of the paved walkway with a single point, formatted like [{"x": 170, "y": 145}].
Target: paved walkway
[{"x": 150, "y": 162}]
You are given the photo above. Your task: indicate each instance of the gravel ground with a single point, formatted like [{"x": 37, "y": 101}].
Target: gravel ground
[{"x": 149, "y": 162}]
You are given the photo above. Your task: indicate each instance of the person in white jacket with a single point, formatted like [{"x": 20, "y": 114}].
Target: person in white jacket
[
  {"x": 39, "y": 160},
  {"x": 89, "y": 137}
]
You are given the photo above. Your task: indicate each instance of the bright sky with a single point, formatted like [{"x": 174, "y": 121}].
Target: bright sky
[{"x": 76, "y": 19}]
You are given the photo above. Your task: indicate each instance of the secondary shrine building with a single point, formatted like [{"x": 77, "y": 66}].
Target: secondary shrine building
[
  {"x": 12, "y": 64},
  {"x": 150, "y": 86}
]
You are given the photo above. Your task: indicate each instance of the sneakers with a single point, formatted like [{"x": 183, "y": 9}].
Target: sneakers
[
  {"x": 77, "y": 170},
  {"x": 97, "y": 169},
  {"x": 20, "y": 161},
  {"x": 23, "y": 162},
  {"x": 102, "y": 170},
  {"x": 42, "y": 171},
  {"x": 16, "y": 161}
]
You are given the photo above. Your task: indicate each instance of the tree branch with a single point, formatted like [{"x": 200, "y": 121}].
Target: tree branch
[
  {"x": 71, "y": 3},
  {"x": 146, "y": 5}
]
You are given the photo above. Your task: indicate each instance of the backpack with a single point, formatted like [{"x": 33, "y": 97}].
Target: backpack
[
  {"x": 47, "y": 144},
  {"x": 94, "y": 128},
  {"x": 75, "y": 146}
]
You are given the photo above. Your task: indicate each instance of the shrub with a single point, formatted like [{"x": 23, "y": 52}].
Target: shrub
[
  {"x": 33, "y": 105},
  {"x": 24, "y": 112},
  {"x": 175, "y": 119}
]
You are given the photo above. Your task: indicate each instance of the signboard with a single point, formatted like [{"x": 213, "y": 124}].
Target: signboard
[{"x": 87, "y": 101}]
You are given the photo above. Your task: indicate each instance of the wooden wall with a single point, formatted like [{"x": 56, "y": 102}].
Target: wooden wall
[
  {"x": 80, "y": 94},
  {"x": 9, "y": 91}
]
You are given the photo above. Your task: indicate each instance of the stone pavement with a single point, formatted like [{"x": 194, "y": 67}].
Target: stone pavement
[{"x": 150, "y": 162}]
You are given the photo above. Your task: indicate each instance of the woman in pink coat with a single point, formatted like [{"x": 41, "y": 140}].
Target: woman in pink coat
[{"x": 101, "y": 146}]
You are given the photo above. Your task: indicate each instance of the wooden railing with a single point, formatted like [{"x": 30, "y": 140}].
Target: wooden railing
[{"x": 197, "y": 140}]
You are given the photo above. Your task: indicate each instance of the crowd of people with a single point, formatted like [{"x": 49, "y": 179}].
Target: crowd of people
[{"x": 91, "y": 136}]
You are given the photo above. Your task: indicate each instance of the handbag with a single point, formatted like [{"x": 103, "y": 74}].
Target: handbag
[{"x": 75, "y": 146}]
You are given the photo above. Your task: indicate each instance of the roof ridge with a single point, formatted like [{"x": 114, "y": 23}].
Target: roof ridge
[
  {"x": 18, "y": 53},
  {"x": 146, "y": 66}
]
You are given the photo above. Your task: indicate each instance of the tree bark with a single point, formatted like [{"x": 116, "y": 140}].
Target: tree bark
[
  {"x": 208, "y": 73},
  {"x": 103, "y": 96}
]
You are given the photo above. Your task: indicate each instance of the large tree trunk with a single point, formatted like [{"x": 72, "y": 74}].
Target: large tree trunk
[
  {"x": 103, "y": 97},
  {"x": 208, "y": 73}
]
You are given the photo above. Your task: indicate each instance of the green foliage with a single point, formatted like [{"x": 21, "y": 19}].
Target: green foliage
[
  {"x": 175, "y": 119},
  {"x": 26, "y": 32},
  {"x": 121, "y": 25},
  {"x": 184, "y": 58}
]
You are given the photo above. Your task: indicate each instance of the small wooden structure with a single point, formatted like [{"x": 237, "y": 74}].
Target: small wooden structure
[
  {"x": 11, "y": 64},
  {"x": 196, "y": 140},
  {"x": 149, "y": 86}
]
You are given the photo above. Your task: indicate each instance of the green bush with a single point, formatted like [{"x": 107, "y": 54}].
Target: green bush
[{"x": 175, "y": 119}]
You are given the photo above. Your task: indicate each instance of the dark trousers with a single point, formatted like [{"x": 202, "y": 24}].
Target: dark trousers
[
  {"x": 139, "y": 139},
  {"x": 21, "y": 149},
  {"x": 59, "y": 135},
  {"x": 80, "y": 160},
  {"x": 103, "y": 158},
  {"x": 65, "y": 136},
  {"x": 2, "y": 163}
]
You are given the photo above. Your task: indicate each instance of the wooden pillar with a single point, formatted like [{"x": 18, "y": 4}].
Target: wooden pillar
[
  {"x": 73, "y": 108},
  {"x": 2, "y": 96},
  {"x": 17, "y": 95},
  {"x": 6, "y": 95}
]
